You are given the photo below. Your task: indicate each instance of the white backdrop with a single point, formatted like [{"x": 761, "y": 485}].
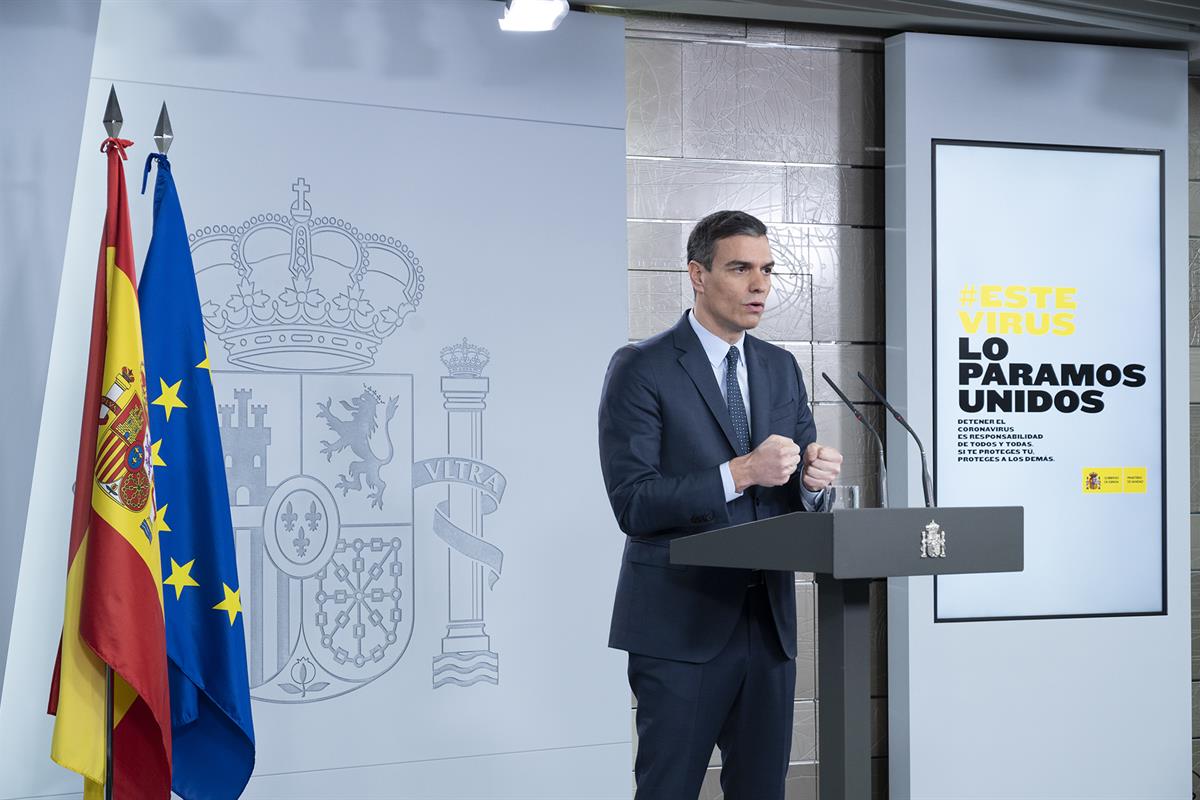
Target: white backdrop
[
  {"x": 468, "y": 185},
  {"x": 1034, "y": 709}
]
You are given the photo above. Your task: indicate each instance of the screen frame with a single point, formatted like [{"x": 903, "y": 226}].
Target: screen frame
[{"x": 1162, "y": 353}]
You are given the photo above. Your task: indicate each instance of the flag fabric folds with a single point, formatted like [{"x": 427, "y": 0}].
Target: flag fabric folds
[
  {"x": 114, "y": 613},
  {"x": 206, "y": 648}
]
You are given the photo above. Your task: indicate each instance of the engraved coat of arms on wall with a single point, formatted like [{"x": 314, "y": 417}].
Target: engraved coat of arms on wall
[{"x": 300, "y": 306}]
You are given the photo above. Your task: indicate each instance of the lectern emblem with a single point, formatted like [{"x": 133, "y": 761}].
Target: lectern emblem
[{"x": 933, "y": 541}]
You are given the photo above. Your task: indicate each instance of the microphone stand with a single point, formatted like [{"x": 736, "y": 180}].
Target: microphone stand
[
  {"x": 883, "y": 497},
  {"x": 926, "y": 481}
]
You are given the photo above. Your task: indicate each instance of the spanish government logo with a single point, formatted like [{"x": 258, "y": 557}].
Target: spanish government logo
[{"x": 319, "y": 457}]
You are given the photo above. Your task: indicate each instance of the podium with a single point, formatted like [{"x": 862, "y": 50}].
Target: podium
[{"x": 846, "y": 549}]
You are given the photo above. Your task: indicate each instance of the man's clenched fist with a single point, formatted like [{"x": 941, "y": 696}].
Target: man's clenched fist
[
  {"x": 770, "y": 464},
  {"x": 822, "y": 464}
]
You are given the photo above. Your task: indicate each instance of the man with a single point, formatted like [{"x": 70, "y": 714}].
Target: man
[{"x": 704, "y": 427}]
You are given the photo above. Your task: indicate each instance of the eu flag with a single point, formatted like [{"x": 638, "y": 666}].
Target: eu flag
[{"x": 213, "y": 750}]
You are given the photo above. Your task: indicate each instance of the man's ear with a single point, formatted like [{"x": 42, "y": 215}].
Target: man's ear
[{"x": 696, "y": 272}]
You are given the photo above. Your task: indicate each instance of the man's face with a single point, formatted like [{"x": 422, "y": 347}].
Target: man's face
[{"x": 731, "y": 297}]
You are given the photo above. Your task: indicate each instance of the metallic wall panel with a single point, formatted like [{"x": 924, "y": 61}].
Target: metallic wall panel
[
  {"x": 1194, "y": 295},
  {"x": 847, "y": 275},
  {"x": 657, "y": 298},
  {"x": 849, "y": 39},
  {"x": 806, "y": 642},
  {"x": 765, "y": 33},
  {"x": 658, "y": 245},
  {"x": 801, "y": 783},
  {"x": 683, "y": 27},
  {"x": 782, "y": 104},
  {"x": 1194, "y": 416},
  {"x": 803, "y": 353},
  {"x": 1193, "y": 208},
  {"x": 878, "y": 627},
  {"x": 1195, "y": 633},
  {"x": 1195, "y": 705},
  {"x": 688, "y": 190},
  {"x": 804, "y": 732},
  {"x": 1194, "y": 128},
  {"x": 836, "y": 427},
  {"x": 822, "y": 106},
  {"x": 879, "y": 779},
  {"x": 841, "y": 362},
  {"x": 654, "y": 98},
  {"x": 711, "y": 99},
  {"x": 835, "y": 195},
  {"x": 878, "y": 727},
  {"x": 1195, "y": 556},
  {"x": 1194, "y": 371},
  {"x": 1195, "y": 764},
  {"x": 789, "y": 314}
]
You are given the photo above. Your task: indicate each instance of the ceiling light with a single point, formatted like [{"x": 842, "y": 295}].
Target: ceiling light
[{"x": 533, "y": 15}]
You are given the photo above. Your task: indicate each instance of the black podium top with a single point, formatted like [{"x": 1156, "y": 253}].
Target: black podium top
[{"x": 868, "y": 542}]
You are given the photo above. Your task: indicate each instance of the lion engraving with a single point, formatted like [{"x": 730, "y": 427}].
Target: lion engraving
[{"x": 356, "y": 433}]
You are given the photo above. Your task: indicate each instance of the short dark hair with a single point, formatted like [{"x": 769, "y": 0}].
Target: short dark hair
[{"x": 702, "y": 243}]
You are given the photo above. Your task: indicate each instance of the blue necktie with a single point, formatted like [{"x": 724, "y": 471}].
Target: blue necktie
[{"x": 733, "y": 398}]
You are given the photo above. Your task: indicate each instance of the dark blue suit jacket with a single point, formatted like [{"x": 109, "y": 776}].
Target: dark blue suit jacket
[{"x": 664, "y": 432}]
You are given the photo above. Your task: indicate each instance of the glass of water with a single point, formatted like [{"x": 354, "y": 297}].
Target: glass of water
[{"x": 847, "y": 496}]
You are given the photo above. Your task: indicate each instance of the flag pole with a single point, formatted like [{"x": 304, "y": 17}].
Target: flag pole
[
  {"x": 108, "y": 732},
  {"x": 112, "y": 125}
]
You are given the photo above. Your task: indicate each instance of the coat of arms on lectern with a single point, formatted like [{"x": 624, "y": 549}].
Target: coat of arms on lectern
[{"x": 933, "y": 541}]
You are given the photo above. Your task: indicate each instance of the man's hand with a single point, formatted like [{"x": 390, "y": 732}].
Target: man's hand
[
  {"x": 770, "y": 464},
  {"x": 822, "y": 464}
]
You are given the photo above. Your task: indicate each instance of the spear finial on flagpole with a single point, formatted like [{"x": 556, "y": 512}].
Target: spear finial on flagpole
[
  {"x": 112, "y": 114},
  {"x": 162, "y": 132}
]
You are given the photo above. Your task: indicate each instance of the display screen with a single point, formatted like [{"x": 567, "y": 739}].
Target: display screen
[{"x": 1048, "y": 372}]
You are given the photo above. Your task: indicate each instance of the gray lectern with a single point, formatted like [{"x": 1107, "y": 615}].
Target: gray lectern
[{"x": 846, "y": 549}]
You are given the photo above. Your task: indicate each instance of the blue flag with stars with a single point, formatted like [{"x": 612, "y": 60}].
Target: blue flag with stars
[{"x": 213, "y": 735}]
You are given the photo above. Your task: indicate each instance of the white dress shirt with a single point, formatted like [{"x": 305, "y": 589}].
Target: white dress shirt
[{"x": 716, "y": 349}]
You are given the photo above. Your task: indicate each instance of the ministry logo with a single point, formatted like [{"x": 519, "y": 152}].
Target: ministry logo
[{"x": 319, "y": 457}]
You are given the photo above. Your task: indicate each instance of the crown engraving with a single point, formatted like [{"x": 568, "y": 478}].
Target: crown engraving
[
  {"x": 303, "y": 292},
  {"x": 465, "y": 360}
]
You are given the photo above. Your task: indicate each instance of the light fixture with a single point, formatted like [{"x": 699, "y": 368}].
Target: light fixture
[{"x": 533, "y": 15}]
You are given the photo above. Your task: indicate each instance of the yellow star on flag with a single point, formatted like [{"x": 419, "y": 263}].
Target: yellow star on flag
[
  {"x": 181, "y": 577},
  {"x": 169, "y": 398},
  {"x": 155, "y": 458},
  {"x": 204, "y": 364},
  {"x": 232, "y": 604},
  {"x": 160, "y": 520}
]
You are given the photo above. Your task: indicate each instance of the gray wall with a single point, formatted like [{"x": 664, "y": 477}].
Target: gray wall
[
  {"x": 787, "y": 124},
  {"x": 49, "y": 45}
]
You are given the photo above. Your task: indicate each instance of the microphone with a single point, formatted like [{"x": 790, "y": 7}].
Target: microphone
[
  {"x": 926, "y": 481},
  {"x": 883, "y": 499}
]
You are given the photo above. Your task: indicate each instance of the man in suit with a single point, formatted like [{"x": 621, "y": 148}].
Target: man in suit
[{"x": 703, "y": 427}]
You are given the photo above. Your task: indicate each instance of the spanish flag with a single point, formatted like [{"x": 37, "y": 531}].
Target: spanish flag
[{"x": 114, "y": 604}]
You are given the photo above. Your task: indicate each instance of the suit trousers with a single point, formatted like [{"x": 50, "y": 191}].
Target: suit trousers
[{"x": 742, "y": 701}]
